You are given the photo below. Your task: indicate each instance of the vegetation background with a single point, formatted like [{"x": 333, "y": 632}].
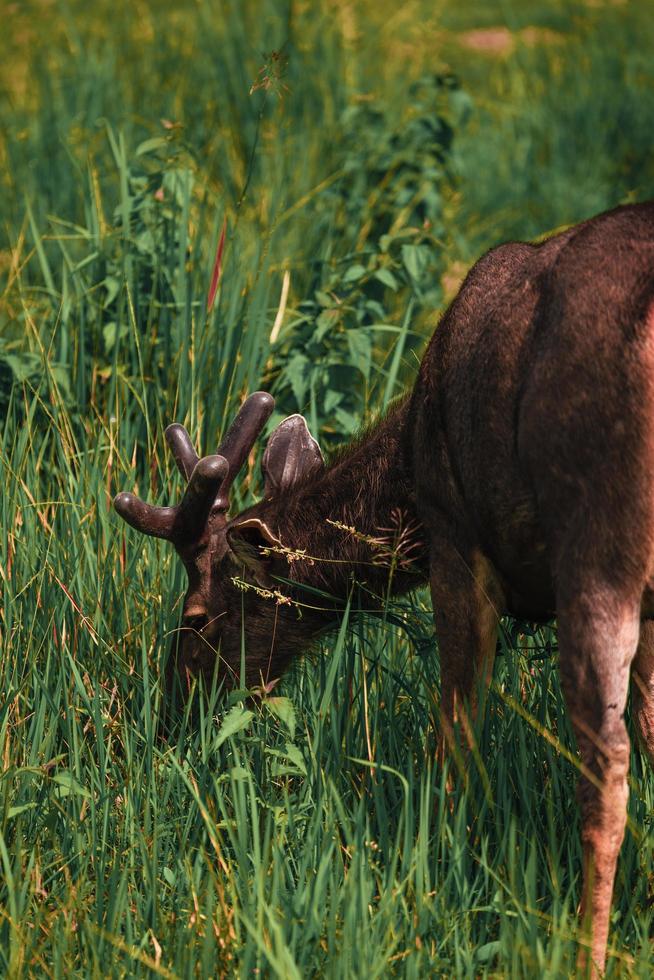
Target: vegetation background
[{"x": 362, "y": 155}]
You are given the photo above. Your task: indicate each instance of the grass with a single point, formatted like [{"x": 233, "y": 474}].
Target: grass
[{"x": 309, "y": 834}]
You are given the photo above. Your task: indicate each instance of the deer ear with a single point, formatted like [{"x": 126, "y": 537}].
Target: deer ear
[
  {"x": 291, "y": 455},
  {"x": 248, "y": 540}
]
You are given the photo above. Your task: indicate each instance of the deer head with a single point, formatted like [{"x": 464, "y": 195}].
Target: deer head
[{"x": 219, "y": 620}]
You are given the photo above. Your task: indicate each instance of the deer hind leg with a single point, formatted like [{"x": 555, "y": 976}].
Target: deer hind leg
[
  {"x": 642, "y": 688},
  {"x": 467, "y": 605},
  {"x": 598, "y": 636}
]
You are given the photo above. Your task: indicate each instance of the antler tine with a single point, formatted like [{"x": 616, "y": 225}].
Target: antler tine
[
  {"x": 209, "y": 479},
  {"x": 187, "y": 521},
  {"x": 155, "y": 521},
  {"x": 241, "y": 437},
  {"x": 199, "y": 496},
  {"x": 182, "y": 449}
]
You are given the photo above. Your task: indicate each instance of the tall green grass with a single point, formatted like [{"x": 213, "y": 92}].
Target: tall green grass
[
  {"x": 560, "y": 127},
  {"x": 309, "y": 834}
]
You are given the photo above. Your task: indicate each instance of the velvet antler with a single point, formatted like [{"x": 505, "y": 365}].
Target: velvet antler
[
  {"x": 241, "y": 437},
  {"x": 189, "y": 517},
  {"x": 209, "y": 479}
]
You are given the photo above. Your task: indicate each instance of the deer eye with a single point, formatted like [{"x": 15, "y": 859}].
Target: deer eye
[{"x": 195, "y": 622}]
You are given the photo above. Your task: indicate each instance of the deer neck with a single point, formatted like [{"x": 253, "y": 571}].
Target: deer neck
[{"x": 357, "y": 522}]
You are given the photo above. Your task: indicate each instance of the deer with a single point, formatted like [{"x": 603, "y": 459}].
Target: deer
[{"x": 516, "y": 477}]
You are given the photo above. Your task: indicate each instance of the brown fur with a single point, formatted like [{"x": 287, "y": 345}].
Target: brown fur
[{"x": 533, "y": 444}]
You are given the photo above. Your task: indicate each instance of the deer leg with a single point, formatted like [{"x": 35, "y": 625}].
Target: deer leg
[
  {"x": 467, "y": 606},
  {"x": 642, "y": 688},
  {"x": 598, "y": 635}
]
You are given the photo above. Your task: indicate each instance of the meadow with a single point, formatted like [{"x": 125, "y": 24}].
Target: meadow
[{"x": 359, "y": 156}]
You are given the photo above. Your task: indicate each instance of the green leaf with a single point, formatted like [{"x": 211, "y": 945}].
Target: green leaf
[
  {"x": 61, "y": 376},
  {"x": 360, "y": 346},
  {"x": 111, "y": 332},
  {"x": 487, "y": 951},
  {"x": 295, "y": 756},
  {"x": 354, "y": 273},
  {"x": 326, "y": 323},
  {"x": 291, "y": 761},
  {"x": 67, "y": 785},
  {"x": 235, "y": 721},
  {"x": 415, "y": 259},
  {"x": 238, "y": 774},
  {"x": 284, "y": 709},
  {"x": 15, "y": 811},
  {"x": 386, "y": 277},
  {"x": 147, "y": 146},
  {"x": 297, "y": 375},
  {"x": 332, "y": 399},
  {"x": 112, "y": 285},
  {"x": 23, "y": 366}
]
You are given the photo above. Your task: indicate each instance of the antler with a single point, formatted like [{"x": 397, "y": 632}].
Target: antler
[
  {"x": 209, "y": 479},
  {"x": 185, "y": 521},
  {"x": 182, "y": 449},
  {"x": 241, "y": 437}
]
